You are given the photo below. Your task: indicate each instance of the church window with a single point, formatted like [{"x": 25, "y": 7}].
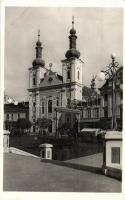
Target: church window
[
  {"x": 50, "y": 106},
  {"x": 78, "y": 75},
  {"x": 68, "y": 74},
  {"x": 34, "y": 81}
]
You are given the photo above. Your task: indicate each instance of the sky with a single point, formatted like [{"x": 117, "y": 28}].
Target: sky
[{"x": 99, "y": 32}]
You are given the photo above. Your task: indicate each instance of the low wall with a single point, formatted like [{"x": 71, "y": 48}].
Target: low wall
[{"x": 20, "y": 152}]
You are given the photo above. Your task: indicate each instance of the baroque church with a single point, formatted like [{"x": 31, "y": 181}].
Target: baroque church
[{"x": 51, "y": 94}]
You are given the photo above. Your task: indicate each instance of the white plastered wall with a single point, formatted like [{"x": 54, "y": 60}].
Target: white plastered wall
[{"x": 109, "y": 145}]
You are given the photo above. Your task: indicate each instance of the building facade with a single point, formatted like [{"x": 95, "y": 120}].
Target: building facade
[
  {"x": 96, "y": 110},
  {"x": 13, "y": 112},
  {"x": 52, "y": 96},
  {"x": 106, "y": 91},
  {"x": 48, "y": 90}
]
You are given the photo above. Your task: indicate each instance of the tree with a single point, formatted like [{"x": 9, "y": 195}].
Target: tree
[
  {"x": 64, "y": 129},
  {"x": 87, "y": 92},
  {"x": 43, "y": 123},
  {"x": 23, "y": 124}
]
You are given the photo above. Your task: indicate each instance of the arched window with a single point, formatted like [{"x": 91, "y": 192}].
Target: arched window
[
  {"x": 49, "y": 106},
  {"x": 68, "y": 74},
  {"x": 78, "y": 75},
  {"x": 34, "y": 80}
]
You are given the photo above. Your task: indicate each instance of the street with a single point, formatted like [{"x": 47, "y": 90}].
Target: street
[{"x": 23, "y": 173}]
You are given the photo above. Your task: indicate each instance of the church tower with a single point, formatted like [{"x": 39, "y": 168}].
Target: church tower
[
  {"x": 72, "y": 68},
  {"x": 36, "y": 73}
]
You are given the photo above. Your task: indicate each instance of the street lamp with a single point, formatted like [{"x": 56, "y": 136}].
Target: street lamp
[{"x": 110, "y": 73}]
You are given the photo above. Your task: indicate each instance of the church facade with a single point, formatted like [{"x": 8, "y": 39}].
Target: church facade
[{"x": 51, "y": 94}]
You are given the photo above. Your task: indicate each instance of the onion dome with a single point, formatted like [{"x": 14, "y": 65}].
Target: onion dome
[
  {"x": 72, "y": 31},
  {"x": 38, "y": 43},
  {"x": 38, "y": 61},
  {"x": 72, "y": 52}
]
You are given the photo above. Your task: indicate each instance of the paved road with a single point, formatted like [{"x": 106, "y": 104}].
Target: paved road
[
  {"x": 95, "y": 160},
  {"x": 23, "y": 173}
]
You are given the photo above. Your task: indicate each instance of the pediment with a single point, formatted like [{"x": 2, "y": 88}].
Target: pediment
[{"x": 51, "y": 78}]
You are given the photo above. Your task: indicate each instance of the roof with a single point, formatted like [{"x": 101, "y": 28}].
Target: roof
[
  {"x": 60, "y": 77},
  {"x": 67, "y": 110},
  {"x": 90, "y": 129},
  {"x": 51, "y": 74},
  {"x": 46, "y": 145},
  {"x": 113, "y": 135},
  {"x": 20, "y": 105},
  {"x": 6, "y": 132}
]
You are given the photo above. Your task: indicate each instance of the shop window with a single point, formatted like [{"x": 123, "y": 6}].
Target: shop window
[{"x": 115, "y": 155}]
